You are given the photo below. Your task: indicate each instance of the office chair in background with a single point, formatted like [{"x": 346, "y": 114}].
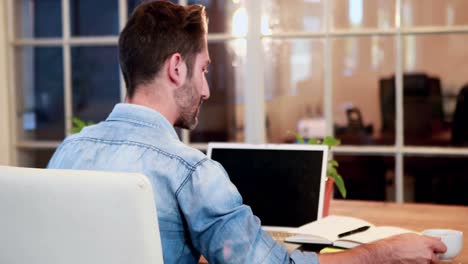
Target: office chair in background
[
  {"x": 460, "y": 119},
  {"x": 422, "y": 106},
  {"x": 355, "y": 131}
]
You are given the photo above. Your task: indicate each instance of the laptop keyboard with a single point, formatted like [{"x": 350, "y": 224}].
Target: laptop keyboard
[{"x": 279, "y": 235}]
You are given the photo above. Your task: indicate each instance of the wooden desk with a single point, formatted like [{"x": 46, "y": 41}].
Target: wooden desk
[{"x": 412, "y": 216}]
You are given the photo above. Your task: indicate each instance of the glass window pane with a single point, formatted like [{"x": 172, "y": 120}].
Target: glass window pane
[
  {"x": 40, "y": 94},
  {"x": 437, "y": 179},
  {"x": 221, "y": 115},
  {"x": 434, "y": 13},
  {"x": 293, "y": 88},
  {"x": 94, "y": 18},
  {"x": 37, "y": 158},
  {"x": 292, "y": 15},
  {"x": 225, "y": 16},
  {"x": 360, "y": 64},
  {"x": 95, "y": 80},
  {"x": 363, "y": 14},
  {"x": 366, "y": 177},
  {"x": 435, "y": 73},
  {"x": 38, "y": 19}
]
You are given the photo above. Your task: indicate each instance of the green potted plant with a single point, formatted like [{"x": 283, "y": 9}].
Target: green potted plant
[
  {"x": 78, "y": 125},
  {"x": 332, "y": 168}
]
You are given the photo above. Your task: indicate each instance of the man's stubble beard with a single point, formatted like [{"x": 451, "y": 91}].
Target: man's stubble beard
[{"x": 189, "y": 103}]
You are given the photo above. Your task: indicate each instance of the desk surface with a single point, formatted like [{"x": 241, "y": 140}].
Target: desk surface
[{"x": 412, "y": 216}]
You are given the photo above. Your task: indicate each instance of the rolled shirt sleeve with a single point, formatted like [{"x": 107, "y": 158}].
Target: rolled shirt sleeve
[{"x": 221, "y": 227}]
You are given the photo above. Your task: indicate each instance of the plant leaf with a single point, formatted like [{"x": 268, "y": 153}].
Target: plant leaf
[
  {"x": 340, "y": 184},
  {"x": 78, "y": 122},
  {"x": 78, "y": 125},
  {"x": 331, "y": 170},
  {"x": 313, "y": 141},
  {"x": 331, "y": 141},
  {"x": 333, "y": 162},
  {"x": 298, "y": 137}
]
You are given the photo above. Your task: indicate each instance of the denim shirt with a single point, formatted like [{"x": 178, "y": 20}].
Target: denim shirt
[{"x": 199, "y": 210}]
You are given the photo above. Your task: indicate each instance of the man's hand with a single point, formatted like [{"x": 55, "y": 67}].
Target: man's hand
[
  {"x": 401, "y": 249},
  {"x": 413, "y": 248}
]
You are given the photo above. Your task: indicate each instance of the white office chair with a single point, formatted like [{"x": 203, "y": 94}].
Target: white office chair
[{"x": 69, "y": 216}]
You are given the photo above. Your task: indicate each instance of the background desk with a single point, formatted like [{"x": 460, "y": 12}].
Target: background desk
[{"x": 412, "y": 216}]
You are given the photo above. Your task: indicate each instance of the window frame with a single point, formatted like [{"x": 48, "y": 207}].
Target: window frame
[
  {"x": 6, "y": 138},
  {"x": 254, "y": 129}
]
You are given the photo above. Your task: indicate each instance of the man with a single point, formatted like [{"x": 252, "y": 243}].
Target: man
[{"x": 164, "y": 59}]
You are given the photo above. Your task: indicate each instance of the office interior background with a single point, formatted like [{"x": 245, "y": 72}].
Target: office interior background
[{"x": 387, "y": 77}]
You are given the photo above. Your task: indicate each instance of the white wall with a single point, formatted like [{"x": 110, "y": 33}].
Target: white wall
[{"x": 5, "y": 125}]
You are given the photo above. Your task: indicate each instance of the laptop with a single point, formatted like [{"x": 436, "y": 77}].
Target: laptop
[
  {"x": 284, "y": 184},
  {"x": 71, "y": 216}
]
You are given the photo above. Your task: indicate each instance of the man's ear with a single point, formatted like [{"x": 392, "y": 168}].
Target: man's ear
[{"x": 177, "y": 69}]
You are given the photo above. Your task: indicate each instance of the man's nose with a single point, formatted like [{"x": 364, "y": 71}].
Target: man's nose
[{"x": 206, "y": 90}]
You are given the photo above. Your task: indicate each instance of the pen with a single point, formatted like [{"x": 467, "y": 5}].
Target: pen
[{"x": 354, "y": 231}]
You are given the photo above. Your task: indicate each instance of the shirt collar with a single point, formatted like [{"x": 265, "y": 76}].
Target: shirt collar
[{"x": 141, "y": 115}]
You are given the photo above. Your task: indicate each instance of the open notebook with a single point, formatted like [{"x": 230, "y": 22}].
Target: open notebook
[{"x": 343, "y": 231}]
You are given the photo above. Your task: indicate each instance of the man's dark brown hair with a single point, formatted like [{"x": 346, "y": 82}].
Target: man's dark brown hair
[{"x": 154, "y": 32}]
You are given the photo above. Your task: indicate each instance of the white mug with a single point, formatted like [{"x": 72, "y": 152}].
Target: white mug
[{"x": 453, "y": 239}]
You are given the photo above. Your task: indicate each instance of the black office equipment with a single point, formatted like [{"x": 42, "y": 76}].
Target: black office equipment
[
  {"x": 283, "y": 184},
  {"x": 460, "y": 119}
]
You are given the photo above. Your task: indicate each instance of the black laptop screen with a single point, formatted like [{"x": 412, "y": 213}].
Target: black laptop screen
[{"x": 281, "y": 186}]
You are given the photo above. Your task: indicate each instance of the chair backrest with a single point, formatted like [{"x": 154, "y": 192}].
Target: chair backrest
[
  {"x": 70, "y": 216},
  {"x": 422, "y": 104},
  {"x": 460, "y": 119}
]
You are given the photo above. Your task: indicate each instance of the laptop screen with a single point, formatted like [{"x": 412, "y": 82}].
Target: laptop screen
[{"x": 283, "y": 184}]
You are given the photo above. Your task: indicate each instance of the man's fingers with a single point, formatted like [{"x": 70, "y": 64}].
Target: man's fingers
[
  {"x": 433, "y": 237},
  {"x": 435, "y": 258},
  {"x": 437, "y": 245}
]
